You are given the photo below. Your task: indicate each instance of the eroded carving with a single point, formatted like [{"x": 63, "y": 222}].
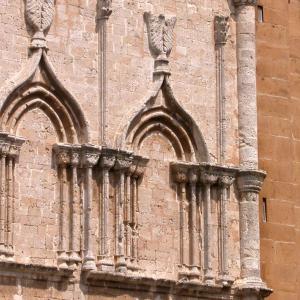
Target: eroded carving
[
  {"x": 221, "y": 29},
  {"x": 39, "y": 15},
  {"x": 244, "y": 2}
]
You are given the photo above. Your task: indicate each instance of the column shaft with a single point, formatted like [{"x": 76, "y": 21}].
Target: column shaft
[
  {"x": 10, "y": 203},
  {"x": 3, "y": 201}
]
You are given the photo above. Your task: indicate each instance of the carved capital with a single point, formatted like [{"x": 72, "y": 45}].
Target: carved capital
[
  {"x": 244, "y": 2},
  {"x": 90, "y": 155},
  {"x": 193, "y": 175},
  {"x": 39, "y": 15},
  {"x": 63, "y": 154},
  {"x": 141, "y": 166},
  {"x": 208, "y": 178},
  {"x": 250, "y": 181},
  {"x": 107, "y": 159},
  {"x": 104, "y": 9},
  {"x": 75, "y": 156},
  {"x": 221, "y": 29},
  {"x": 10, "y": 145},
  {"x": 123, "y": 161},
  {"x": 180, "y": 173},
  {"x": 226, "y": 181}
]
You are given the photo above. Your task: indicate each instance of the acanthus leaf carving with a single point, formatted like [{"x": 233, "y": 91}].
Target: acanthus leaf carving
[{"x": 39, "y": 15}]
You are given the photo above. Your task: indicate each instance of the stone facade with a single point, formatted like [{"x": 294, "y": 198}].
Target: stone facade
[
  {"x": 129, "y": 164},
  {"x": 278, "y": 91}
]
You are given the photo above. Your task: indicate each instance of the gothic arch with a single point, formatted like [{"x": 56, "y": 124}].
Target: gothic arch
[
  {"x": 38, "y": 87},
  {"x": 162, "y": 114}
]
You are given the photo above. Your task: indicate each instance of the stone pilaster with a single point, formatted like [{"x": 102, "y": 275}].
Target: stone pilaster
[
  {"x": 221, "y": 24},
  {"x": 75, "y": 207},
  {"x": 208, "y": 179},
  {"x": 63, "y": 160},
  {"x": 225, "y": 182},
  {"x": 90, "y": 157},
  {"x": 123, "y": 162},
  {"x": 107, "y": 161}
]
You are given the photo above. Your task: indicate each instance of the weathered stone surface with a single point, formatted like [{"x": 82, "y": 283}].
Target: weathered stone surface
[{"x": 120, "y": 188}]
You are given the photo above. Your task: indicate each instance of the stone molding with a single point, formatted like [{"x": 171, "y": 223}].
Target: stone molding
[
  {"x": 244, "y": 2},
  {"x": 39, "y": 15},
  {"x": 221, "y": 25}
]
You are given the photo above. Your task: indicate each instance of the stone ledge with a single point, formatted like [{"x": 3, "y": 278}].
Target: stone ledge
[
  {"x": 34, "y": 271},
  {"x": 156, "y": 285}
]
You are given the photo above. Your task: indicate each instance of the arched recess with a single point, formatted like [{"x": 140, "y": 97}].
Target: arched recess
[
  {"x": 37, "y": 86},
  {"x": 162, "y": 114}
]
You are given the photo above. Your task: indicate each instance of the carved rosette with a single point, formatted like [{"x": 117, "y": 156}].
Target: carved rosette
[
  {"x": 39, "y": 15},
  {"x": 221, "y": 29},
  {"x": 244, "y": 2}
]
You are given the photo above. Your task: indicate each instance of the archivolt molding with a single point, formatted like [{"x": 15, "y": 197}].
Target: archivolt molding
[
  {"x": 162, "y": 114},
  {"x": 37, "y": 86}
]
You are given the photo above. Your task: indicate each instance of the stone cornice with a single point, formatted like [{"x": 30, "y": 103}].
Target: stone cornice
[{"x": 244, "y": 2}]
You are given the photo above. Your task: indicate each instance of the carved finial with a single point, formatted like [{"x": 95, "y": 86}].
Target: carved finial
[
  {"x": 39, "y": 15},
  {"x": 161, "y": 36},
  {"x": 221, "y": 29},
  {"x": 104, "y": 8},
  {"x": 244, "y": 2}
]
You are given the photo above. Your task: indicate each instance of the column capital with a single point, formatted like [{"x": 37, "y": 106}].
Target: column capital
[
  {"x": 107, "y": 158},
  {"x": 75, "y": 156},
  {"x": 226, "y": 180},
  {"x": 141, "y": 166},
  {"x": 221, "y": 25},
  {"x": 90, "y": 155},
  {"x": 123, "y": 161},
  {"x": 63, "y": 155},
  {"x": 179, "y": 172},
  {"x": 245, "y": 2},
  {"x": 193, "y": 175},
  {"x": 104, "y": 8},
  {"x": 250, "y": 180}
]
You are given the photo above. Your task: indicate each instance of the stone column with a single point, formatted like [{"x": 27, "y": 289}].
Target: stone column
[
  {"x": 246, "y": 77},
  {"x": 3, "y": 199},
  {"x": 12, "y": 155},
  {"x": 107, "y": 161},
  {"x": 90, "y": 158},
  {"x": 63, "y": 160},
  {"x": 75, "y": 209},
  {"x": 180, "y": 177},
  {"x": 192, "y": 180},
  {"x": 208, "y": 180},
  {"x": 249, "y": 184},
  {"x": 225, "y": 182},
  {"x": 221, "y": 31},
  {"x": 137, "y": 175},
  {"x": 121, "y": 166},
  {"x": 104, "y": 11}
]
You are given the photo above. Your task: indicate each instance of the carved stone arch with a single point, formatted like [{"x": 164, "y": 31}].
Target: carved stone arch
[
  {"x": 37, "y": 86},
  {"x": 162, "y": 114}
]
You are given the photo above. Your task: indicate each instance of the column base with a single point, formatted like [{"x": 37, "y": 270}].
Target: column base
[
  {"x": 74, "y": 259},
  {"x": 89, "y": 263},
  {"x": 251, "y": 287},
  {"x": 121, "y": 265},
  {"x": 62, "y": 259},
  {"x": 132, "y": 265},
  {"x": 209, "y": 277},
  {"x": 225, "y": 280},
  {"x": 6, "y": 253},
  {"x": 189, "y": 273},
  {"x": 105, "y": 264}
]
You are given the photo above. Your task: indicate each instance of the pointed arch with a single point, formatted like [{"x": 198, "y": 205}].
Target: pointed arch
[
  {"x": 166, "y": 117},
  {"x": 26, "y": 92}
]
